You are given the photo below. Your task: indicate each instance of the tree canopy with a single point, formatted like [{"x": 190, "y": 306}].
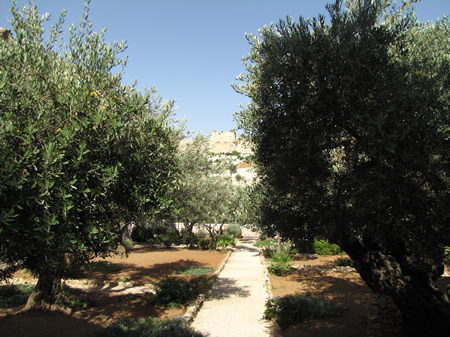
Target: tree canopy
[
  {"x": 349, "y": 123},
  {"x": 80, "y": 154}
]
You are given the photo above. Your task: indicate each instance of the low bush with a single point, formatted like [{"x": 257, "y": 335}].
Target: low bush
[
  {"x": 281, "y": 258},
  {"x": 173, "y": 292},
  {"x": 293, "y": 309},
  {"x": 344, "y": 262},
  {"x": 204, "y": 243},
  {"x": 280, "y": 269},
  {"x": 225, "y": 240},
  {"x": 142, "y": 234},
  {"x": 323, "y": 247},
  {"x": 149, "y": 327},
  {"x": 191, "y": 241},
  {"x": 170, "y": 237},
  {"x": 104, "y": 267},
  {"x": 14, "y": 295},
  {"x": 280, "y": 265},
  {"x": 234, "y": 230}
]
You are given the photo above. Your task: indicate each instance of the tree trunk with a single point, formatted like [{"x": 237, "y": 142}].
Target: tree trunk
[
  {"x": 425, "y": 311},
  {"x": 188, "y": 227},
  {"x": 47, "y": 294}
]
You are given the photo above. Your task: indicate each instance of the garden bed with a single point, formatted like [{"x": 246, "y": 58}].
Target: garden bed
[
  {"x": 319, "y": 277},
  {"x": 111, "y": 289}
]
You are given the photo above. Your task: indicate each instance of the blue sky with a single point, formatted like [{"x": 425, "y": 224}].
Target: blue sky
[{"x": 191, "y": 50}]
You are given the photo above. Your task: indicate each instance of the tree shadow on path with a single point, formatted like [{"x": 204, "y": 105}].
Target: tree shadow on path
[{"x": 226, "y": 288}]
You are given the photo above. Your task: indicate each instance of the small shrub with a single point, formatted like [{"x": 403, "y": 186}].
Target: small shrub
[
  {"x": 204, "y": 243},
  {"x": 234, "y": 230},
  {"x": 344, "y": 262},
  {"x": 280, "y": 269},
  {"x": 191, "y": 241},
  {"x": 200, "y": 285},
  {"x": 323, "y": 247},
  {"x": 170, "y": 237},
  {"x": 225, "y": 240},
  {"x": 149, "y": 327},
  {"x": 293, "y": 309},
  {"x": 104, "y": 267},
  {"x": 171, "y": 292},
  {"x": 14, "y": 295},
  {"x": 281, "y": 258},
  {"x": 142, "y": 234}
]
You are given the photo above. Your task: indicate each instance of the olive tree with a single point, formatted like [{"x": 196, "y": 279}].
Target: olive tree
[
  {"x": 80, "y": 154},
  {"x": 205, "y": 194},
  {"x": 349, "y": 123}
]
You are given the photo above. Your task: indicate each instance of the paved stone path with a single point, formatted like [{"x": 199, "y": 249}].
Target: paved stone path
[{"x": 236, "y": 305}]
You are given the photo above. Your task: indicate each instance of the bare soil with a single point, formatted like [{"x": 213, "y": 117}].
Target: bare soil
[
  {"x": 143, "y": 266},
  {"x": 319, "y": 278}
]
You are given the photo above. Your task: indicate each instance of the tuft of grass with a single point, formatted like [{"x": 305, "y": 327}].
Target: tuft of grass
[
  {"x": 14, "y": 295},
  {"x": 196, "y": 271}
]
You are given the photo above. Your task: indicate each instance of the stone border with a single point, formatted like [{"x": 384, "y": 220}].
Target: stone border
[{"x": 194, "y": 308}]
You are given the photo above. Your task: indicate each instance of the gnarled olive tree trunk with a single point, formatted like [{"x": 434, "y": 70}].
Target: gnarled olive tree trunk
[
  {"x": 47, "y": 294},
  {"x": 425, "y": 311}
]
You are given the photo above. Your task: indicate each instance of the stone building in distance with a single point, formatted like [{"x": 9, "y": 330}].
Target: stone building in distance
[{"x": 227, "y": 142}]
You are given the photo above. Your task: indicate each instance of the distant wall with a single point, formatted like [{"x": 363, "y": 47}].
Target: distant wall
[{"x": 226, "y": 141}]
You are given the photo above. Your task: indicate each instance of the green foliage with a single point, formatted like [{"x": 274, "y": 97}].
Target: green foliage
[
  {"x": 349, "y": 123},
  {"x": 234, "y": 230},
  {"x": 170, "y": 237},
  {"x": 225, "y": 240},
  {"x": 173, "y": 292},
  {"x": 280, "y": 268},
  {"x": 281, "y": 258},
  {"x": 149, "y": 327},
  {"x": 104, "y": 267},
  {"x": 323, "y": 247},
  {"x": 294, "y": 309},
  {"x": 344, "y": 262},
  {"x": 196, "y": 271},
  {"x": 266, "y": 243},
  {"x": 14, "y": 295},
  {"x": 79, "y": 152},
  {"x": 204, "y": 243},
  {"x": 280, "y": 264}
]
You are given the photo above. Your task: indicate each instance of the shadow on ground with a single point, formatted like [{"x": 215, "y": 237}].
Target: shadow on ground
[{"x": 226, "y": 287}]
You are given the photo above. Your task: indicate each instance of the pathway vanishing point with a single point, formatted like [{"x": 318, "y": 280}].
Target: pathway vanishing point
[{"x": 236, "y": 304}]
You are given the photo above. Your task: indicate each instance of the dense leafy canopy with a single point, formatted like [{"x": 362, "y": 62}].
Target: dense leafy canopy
[
  {"x": 350, "y": 126},
  {"x": 80, "y": 154}
]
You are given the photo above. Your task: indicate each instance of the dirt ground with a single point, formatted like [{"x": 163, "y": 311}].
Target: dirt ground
[
  {"x": 315, "y": 276},
  {"x": 144, "y": 265},
  {"x": 319, "y": 278}
]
